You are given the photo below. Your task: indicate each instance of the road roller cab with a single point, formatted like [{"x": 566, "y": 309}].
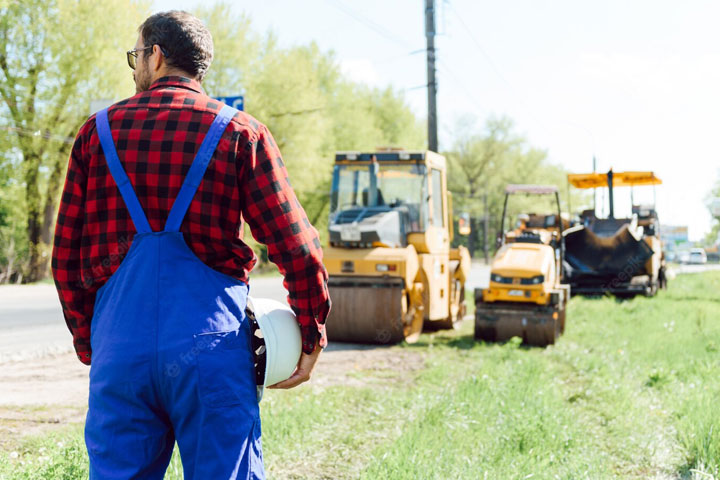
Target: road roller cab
[
  {"x": 391, "y": 267},
  {"x": 526, "y": 296}
]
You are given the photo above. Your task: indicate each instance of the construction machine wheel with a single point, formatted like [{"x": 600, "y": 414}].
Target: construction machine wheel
[
  {"x": 462, "y": 308},
  {"x": 458, "y": 309},
  {"x": 457, "y": 287},
  {"x": 561, "y": 307},
  {"x": 562, "y": 314},
  {"x": 536, "y": 325},
  {"x": 652, "y": 285},
  {"x": 372, "y": 310},
  {"x": 662, "y": 278}
]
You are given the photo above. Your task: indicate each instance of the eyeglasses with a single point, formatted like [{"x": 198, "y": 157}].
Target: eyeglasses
[{"x": 133, "y": 54}]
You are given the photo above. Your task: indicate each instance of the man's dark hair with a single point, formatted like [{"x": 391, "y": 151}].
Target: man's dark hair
[{"x": 186, "y": 43}]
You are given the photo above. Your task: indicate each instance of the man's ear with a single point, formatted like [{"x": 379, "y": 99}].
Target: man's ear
[{"x": 157, "y": 59}]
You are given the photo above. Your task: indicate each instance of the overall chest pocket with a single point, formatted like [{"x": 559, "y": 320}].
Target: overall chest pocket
[{"x": 225, "y": 368}]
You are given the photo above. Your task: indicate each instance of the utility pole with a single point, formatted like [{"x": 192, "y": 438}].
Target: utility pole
[
  {"x": 594, "y": 189},
  {"x": 486, "y": 227},
  {"x": 431, "y": 84}
]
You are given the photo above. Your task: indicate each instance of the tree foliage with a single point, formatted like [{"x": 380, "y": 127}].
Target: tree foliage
[
  {"x": 480, "y": 166},
  {"x": 311, "y": 108},
  {"x": 55, "y": 56}
]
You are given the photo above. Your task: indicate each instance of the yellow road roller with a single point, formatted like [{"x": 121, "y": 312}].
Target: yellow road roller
[
  {"x": 526, "y": 296},
  {"x": 392, "y": 271}
]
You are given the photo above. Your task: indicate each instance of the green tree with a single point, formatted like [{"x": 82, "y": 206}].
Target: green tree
[
  {"x": 13, "y": 234},
  {"x": 56, "y": 56},
  {"x": 310, "y": 107},
  {"x": 481, "y": 164}
]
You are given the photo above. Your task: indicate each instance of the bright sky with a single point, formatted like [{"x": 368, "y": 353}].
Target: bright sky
[{"x": 637, "y": 83}]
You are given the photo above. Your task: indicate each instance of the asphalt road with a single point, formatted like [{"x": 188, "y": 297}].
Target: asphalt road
[
  {"x": 32, "y": 324},
  {"x": 681, "y": 268}
]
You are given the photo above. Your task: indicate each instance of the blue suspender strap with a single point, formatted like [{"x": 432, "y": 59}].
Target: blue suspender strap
[
  {"x": 197, "y": 169},
  {"x": 119, "y": 175}
]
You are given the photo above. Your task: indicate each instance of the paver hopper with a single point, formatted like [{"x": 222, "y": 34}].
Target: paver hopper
[{"x": 622, "y": 256}]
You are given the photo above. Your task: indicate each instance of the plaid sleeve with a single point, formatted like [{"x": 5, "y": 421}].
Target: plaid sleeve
[
  {"x": 76, "y": 298},
  {"x": 277, "y": 220}
]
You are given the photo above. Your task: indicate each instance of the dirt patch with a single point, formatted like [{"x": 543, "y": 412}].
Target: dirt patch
[
  {"x": 362, "y": 365},
  {"x": 41, "y": 395},
  {"x": 47, "y": 393},
  {"x": 52, "y": 380}
]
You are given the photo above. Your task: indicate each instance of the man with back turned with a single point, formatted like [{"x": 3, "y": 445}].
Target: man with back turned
[{"x": 152, "y": 272}]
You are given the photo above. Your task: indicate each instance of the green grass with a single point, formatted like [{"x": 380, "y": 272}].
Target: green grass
[{"x": 631, "y": 391}]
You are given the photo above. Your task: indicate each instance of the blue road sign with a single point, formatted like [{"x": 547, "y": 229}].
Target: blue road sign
[{"x": 237, "y": 101}]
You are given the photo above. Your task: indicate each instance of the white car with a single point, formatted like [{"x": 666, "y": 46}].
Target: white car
[{"x": 697, "y": 256}]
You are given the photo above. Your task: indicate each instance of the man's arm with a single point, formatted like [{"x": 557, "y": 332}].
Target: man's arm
[
  {"x": 75, "y": 297},
  {"x": 276, "y": 219}
]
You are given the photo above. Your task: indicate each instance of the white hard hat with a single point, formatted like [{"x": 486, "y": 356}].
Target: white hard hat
[{"x": 283, "y": 343}]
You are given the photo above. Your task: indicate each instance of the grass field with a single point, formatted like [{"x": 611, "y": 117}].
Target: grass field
[{"x": 631, "y": 391}]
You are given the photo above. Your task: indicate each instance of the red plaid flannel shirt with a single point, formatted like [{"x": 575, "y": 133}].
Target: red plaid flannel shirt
[{"x": 157, "y": 134}]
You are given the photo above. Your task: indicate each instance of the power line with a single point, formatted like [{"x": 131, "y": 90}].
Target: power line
[
  {"x": 400, "y": 57},
  {"x": 516, "y": 94},
  {"x": 379, "y": 29},
  {"x": 495, "y": 69},
  {"x": 418, "y": 87},
  {"x": 462, "y": 86},
  {"x": 382, "y": 31},
  {"x": 480, "y": 48}
]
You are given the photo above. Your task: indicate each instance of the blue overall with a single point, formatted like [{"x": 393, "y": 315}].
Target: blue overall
[{"x": 171, "y": 351}]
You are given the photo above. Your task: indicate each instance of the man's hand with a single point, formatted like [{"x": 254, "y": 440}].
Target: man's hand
[{"x": 302, "y": 372}]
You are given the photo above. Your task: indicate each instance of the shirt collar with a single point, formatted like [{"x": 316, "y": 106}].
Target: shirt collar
[{"x": 177, "y": 81}]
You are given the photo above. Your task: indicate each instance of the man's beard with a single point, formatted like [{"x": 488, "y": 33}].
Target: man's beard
[{"x": 142, "y": 82}]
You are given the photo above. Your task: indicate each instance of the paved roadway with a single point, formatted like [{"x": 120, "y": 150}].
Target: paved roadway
[
  {"x": 32, "y": 325},
  {"x": 680, "y": 268}
]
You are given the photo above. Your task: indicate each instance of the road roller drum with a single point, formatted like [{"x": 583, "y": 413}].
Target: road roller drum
[
  {"x": 371, "y": 310},
  {"x": 536, "y": 325}
]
